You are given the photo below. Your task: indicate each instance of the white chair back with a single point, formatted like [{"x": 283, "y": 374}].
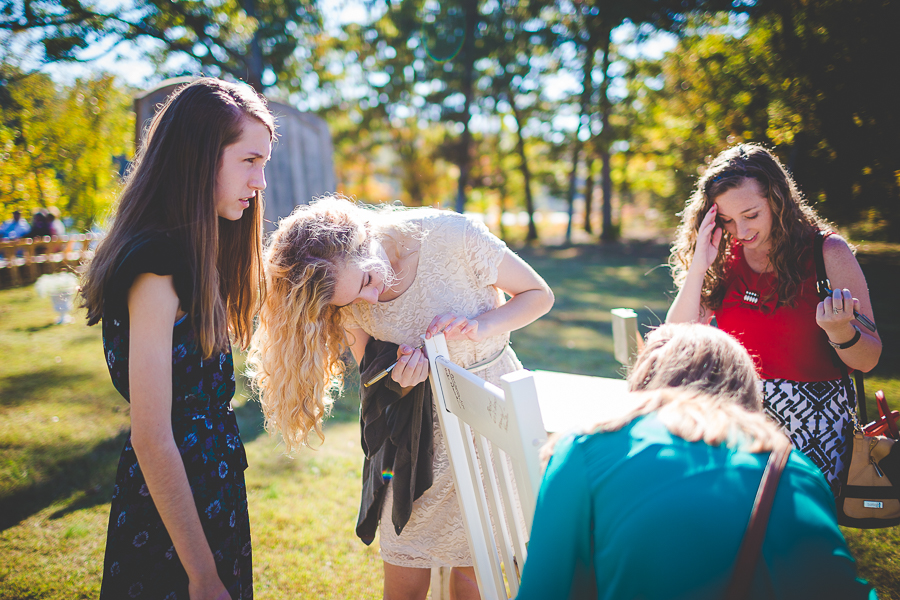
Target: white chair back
[{"x": 474, "y": 414}]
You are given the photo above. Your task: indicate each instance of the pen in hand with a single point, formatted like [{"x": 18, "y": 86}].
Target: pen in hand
[
  {"x": 381, "y": 375},
  {"x": 863, "y": 319}
]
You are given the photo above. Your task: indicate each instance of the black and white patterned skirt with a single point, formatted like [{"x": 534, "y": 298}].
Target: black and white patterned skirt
[{"x": 815, "y": 416}]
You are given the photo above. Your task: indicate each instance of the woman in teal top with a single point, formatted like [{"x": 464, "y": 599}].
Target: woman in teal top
[{"x": 654, "y": 502}]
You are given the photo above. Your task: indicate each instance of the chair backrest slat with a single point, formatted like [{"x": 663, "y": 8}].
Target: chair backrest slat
[{"x": 493, "y": 438}]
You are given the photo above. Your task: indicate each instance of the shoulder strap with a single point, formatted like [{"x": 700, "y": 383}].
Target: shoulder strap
[
  {"x": 748, "y": 555},
  {"x": 822, "y": 282}
]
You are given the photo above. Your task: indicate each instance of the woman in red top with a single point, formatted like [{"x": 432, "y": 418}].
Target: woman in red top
[{"x": 744, "y": 255}]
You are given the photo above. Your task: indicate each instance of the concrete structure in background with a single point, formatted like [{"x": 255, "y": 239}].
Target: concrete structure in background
[{"x": 302, "y": 165}]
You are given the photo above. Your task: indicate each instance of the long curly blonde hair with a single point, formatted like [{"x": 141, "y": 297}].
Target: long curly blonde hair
[
  {"x": 794, "y": 222},
  {"x": 295, "y": 354}
]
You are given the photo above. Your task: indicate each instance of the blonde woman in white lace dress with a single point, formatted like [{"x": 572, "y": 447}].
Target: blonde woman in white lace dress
[{"x": 339, "y": 274}]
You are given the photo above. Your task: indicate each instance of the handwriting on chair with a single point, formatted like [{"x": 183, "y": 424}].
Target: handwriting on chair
[
  {"x": 498, "y": 413},
  {"x": 455, "y": 389}
]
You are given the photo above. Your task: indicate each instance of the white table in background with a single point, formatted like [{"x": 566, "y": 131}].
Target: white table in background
[{"x": 571, "y": 401}]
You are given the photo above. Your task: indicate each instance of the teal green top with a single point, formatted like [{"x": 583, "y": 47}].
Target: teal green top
[{"x": 642, "y": 513}]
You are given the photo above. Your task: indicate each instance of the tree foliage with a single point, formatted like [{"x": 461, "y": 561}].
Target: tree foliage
[
  {"x": 58, "y": 144},
  {"x": 262, "y": 42},
  {"x": 807, "y": 80},
  {"x": 510, "y": 104}
]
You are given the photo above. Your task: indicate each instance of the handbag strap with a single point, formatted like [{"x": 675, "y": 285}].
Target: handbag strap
[
  {"x": 748, "y": 555},
  {"x": 822, "y": 282},
  {"x": 885, "y": 412},
  {"x": 822, "y": 286}
]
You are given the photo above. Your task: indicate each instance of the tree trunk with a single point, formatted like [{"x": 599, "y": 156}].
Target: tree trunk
[
  {"x": 605, "y": 138},
  {"x": 587, "y": 89},
  {"x": 526, "y": 172},
  {"x": 589, "y": 196},
  {"x": 468, "y": 57},
  {"x": 501, "y": 202},
  {"x": 254, "y": 60}
]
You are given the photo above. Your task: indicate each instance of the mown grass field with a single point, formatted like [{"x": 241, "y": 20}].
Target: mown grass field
[{"x": 62, "y": 426}]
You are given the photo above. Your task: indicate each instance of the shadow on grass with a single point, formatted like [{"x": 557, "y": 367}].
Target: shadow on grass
[
  {"x": 250, "y": 420},
  {"x": 36, "y": 328},
  {"x": 19, "y": 389},
  {"x": 91, "y": 470}
]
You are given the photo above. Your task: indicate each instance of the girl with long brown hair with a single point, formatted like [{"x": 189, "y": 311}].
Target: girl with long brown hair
[
  {"x": 744, "y": 254},
  {"x": 340, "y": 275},
  {"x": 180, "y": 270}
]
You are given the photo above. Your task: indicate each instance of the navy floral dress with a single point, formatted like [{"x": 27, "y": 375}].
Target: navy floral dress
[{"x": 140, "y": 560}]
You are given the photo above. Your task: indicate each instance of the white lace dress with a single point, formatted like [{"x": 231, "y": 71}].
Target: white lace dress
[{"x": 458, "y": 262}]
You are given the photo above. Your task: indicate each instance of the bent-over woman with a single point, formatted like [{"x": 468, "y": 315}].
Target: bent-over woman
[
  {"x": 339, "y": 275},
  {"x": 653, "y": 502}
]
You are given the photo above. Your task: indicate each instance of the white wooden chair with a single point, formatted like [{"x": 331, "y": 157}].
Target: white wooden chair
[
  {"x": 533, "y": 403},
  {"x": 499, "y": 423}
]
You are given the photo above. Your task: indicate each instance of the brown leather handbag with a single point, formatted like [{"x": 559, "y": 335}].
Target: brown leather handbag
[{"x": 870, "y": 489}]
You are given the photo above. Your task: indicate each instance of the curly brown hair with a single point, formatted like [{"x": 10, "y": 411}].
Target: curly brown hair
[{"x": 794, "y": 222}]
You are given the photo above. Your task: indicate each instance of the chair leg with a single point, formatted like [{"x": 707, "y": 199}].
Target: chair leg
[{"x": 440, "y": 583}]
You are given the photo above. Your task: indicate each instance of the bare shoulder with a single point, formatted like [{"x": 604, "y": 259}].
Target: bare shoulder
[
  {"x": 838, "y": 254},
  {"x": 835, "y": 246},
  {"x": 153, "y": 288},
  {"x": 152, "y": 298},
  {"x": 841, "y": 265}
]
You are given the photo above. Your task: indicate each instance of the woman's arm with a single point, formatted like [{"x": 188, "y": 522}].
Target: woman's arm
[
  {"x": 560, "y": 563},
  {"x": 530, "y": 298},
  {"x": 688, "y": 306},
  {"x": 357, "y": 340},
  {"x": 850, "y": 292},
  {"x": 152, "y": 308}
]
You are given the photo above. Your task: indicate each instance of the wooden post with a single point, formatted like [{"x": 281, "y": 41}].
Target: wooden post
[
  {"x": 28, "y": 255},
  {"x": 625, "y": 335}
]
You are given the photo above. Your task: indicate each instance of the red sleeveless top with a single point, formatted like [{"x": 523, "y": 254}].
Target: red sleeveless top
[{"x": 785, "y": 342}]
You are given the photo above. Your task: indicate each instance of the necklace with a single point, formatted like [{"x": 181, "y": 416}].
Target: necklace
[{"x": 752, "y": 283}]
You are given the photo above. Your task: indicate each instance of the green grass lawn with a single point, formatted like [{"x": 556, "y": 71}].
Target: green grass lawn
[{"x": 62, "y": 426}]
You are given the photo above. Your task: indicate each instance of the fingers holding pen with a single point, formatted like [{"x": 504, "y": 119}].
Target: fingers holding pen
[
  {"x": 412, "y": 366},
  {"x": 836, "y": 310}
]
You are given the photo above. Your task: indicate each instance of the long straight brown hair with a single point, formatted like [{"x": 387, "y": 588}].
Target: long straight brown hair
[{"x": 171, "y": 188}]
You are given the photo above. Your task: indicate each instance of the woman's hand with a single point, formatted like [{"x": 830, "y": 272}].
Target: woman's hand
[
  {"x": 212, "y": 590},
  {"x": 453, "y": 327},
  {"x": 708, "y": 238},
  {"x": 688, "y": 306},
  {"x": 412, "y": 366},
  {"x": 835, "y": 314}
]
